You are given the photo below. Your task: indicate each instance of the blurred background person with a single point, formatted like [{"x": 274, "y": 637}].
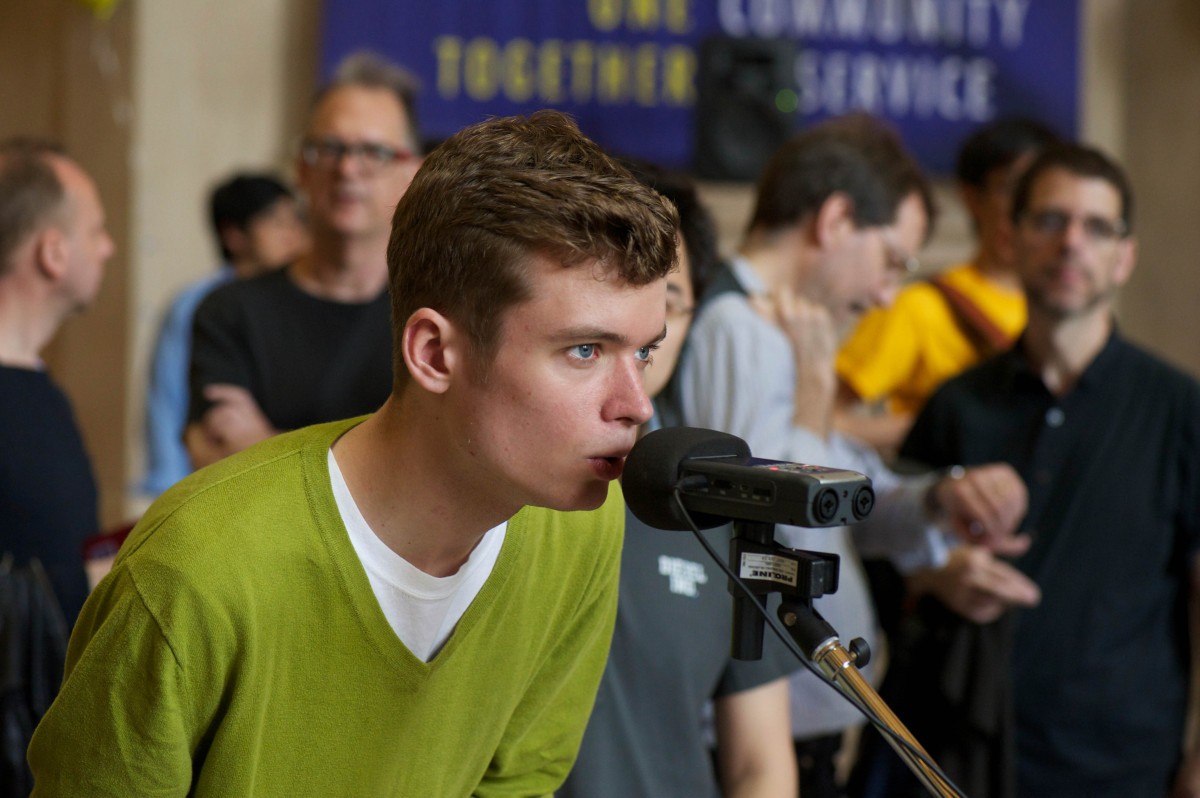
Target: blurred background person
[
  {"x": 311, "y": 342},
  {"x": 53, "y": 247},
  {"x": 257, "y": 225},
  {"x": 937, "y": 327},
  {"x": 1087, "y": 694}
]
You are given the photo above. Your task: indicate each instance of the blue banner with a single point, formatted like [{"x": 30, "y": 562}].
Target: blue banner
[{"x": 626, "y": 69}]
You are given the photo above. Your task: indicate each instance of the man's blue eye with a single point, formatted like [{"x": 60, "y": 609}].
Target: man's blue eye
[
  {"x": 645, "y": 352},
  {"x": 585, "y": 351}
]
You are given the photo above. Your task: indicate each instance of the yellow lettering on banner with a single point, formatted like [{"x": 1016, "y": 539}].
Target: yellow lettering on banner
[
  {"x": 678, "y": 15},
  {"x": 550, "y": 68},
  {"x": 581, "y": 71},
  {"x": 645, "y": 74},
  {"x": 679, "y": 76},
  {"x": 518, "y": 70},
  {"x": 480, "y": 68},
  {"x": 448, "y": 51},
  {"x": 605, "y": 15},
  {"x": 612, "y": 74},
  {"x": 643, "y": 15},
  {"x": 583, "y": 56}
]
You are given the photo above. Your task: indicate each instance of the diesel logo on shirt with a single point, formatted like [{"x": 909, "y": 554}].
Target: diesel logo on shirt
[{"x": 684, "y": 575}]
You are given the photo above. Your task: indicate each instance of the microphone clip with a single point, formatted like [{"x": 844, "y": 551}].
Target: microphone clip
[{"x": 764, "y": 567}]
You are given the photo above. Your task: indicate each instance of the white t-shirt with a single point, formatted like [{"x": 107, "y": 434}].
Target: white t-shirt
[{"x": 421, "y": 608}]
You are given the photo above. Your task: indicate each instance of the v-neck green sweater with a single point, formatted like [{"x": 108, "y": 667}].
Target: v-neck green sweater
[{"x": 237, "y": 649}]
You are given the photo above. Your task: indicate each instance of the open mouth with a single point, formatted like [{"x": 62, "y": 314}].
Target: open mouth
[{"x": 608, "y": 467}]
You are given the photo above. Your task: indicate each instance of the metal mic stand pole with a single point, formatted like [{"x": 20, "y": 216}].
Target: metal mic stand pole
[{"x": 819, "y": 641}]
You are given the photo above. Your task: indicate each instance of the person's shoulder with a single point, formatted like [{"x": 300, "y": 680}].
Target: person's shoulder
[
  {"x": 923, "y": 296},
  {"x": 723, "y": 310},
  {"x": 193, "y": 292},
  {"x": 963, "y": 276},
  {"x": 1148, "y": 369},
  {"x": 26, "y": 379},
  {"x": 241, "y": 504},
  {"x": 26, "y": 390},
  {"x": 918, "y": 294},
  {"x": 183, "y": 307},
  {"x": 268, "y": 286},
  {"x": 917, "y": 305},
  {"x": 980, "y": 380}
]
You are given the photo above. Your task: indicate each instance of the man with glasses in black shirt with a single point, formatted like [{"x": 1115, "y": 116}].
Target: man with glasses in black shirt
[
  {"x": 1086, "y": 692},
  {"x": 312, "y": 342}
]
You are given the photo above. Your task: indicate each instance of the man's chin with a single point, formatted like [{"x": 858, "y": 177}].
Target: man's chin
[{"x": 592, "y": 497}]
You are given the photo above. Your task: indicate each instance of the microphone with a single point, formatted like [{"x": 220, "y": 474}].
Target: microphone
[{"x": 719, "y": 480}]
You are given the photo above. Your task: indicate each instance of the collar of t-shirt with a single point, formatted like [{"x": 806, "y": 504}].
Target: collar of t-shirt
[
  {"x": 422, "y": 609},
  {"x": 744, "y": 273}
]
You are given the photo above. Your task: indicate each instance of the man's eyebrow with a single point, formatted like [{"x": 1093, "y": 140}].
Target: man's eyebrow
[{"x": 588, "y": 333}]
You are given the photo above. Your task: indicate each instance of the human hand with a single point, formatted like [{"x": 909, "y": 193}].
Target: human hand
[
  {"x": 235, "y": 420},
  {"x": 811, "y": 332},
  {"x": 976, "y": 585},
  {"x": 983, "y": 505}
]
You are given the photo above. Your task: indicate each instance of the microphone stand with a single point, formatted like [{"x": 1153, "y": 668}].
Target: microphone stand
[
  {"x": 818, "y": 640},
  {"x": 764, "y": 567}
]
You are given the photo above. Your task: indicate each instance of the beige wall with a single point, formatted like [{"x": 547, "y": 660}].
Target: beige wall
[
  {"x": 169, "y": 95},
  {"x": 218, "y": 86},
  {"x": 1162, "y": 151}
]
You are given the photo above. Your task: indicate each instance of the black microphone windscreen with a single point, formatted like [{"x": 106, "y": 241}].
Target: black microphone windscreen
[{"x": 652, "y": 471}]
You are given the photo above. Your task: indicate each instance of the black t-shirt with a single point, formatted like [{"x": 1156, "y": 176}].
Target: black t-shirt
[
  {"x": 1099, "y": 669},
  {"x": 305, "y": 360},
  {"x": 47, "y": 489}
]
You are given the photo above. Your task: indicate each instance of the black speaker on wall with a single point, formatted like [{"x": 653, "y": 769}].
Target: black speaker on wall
[{"x": 746, "y": 99}]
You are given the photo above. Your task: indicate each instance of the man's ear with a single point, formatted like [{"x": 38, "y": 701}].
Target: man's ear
[
  {"x": 50, "y": 253},
  {"x": 1126, "y": 260},
  {"x": 234, "y": 239},
  {"x": 432, "y": 349},
  {"x": 834, "y": 219}
]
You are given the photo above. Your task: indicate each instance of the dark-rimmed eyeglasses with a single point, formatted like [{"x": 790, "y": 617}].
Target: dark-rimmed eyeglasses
[
  {"x": 1053, "y": 222},
  {"x": 368, "y": 155},
  {"x": 897, "y": 259}
]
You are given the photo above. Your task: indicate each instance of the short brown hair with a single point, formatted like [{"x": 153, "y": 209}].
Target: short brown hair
[
  {"x": 1080, "y": 160},
  {"x": 30, "y": 192},
  {"x": 367, "y": 70},
  {"x": 496, "y": 193},
  {"x": 856, "y": 155},
  {"x": 882, "y": 143}
]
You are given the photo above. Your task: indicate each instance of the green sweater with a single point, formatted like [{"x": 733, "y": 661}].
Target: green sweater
[{"x": 237, "y": 649}]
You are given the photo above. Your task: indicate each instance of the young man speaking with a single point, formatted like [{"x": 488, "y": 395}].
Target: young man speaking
[{"x": 385, "y": 606}]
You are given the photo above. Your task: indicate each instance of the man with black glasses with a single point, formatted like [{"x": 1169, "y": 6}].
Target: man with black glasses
[
  {"x": 310, "y": 343},
  {"x": 1087, "y": 692}
]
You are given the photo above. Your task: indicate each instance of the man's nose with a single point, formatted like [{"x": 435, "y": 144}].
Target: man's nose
[{"x": 628, "y": 399}]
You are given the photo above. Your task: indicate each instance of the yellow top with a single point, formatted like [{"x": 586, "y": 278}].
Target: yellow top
[{"x": 904, "y": 352}]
